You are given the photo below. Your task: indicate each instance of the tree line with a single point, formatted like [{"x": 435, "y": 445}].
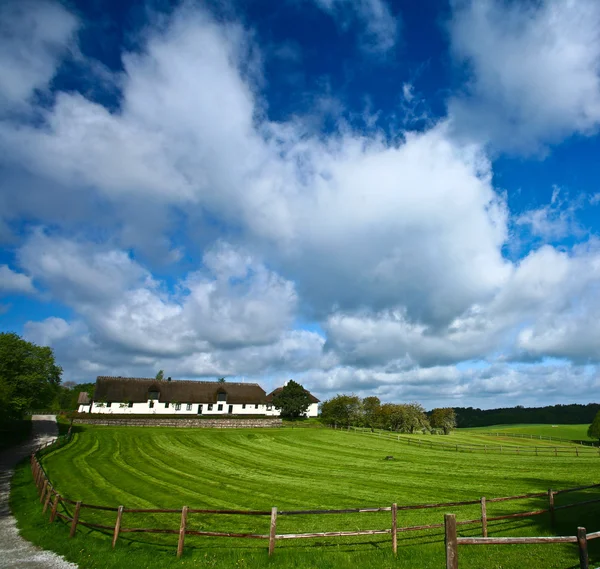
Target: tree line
[
  {"x": 351, "y": 410},
  {"x": 573, "y": 414}
]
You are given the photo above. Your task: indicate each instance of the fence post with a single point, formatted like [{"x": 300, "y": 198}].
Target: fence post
[
  {"x": 47, "y": 501},
  {"x": 450, "y": 541},
  {"x": 117, "y": 526},
  {"x": 583, "y": 551},
  {"x": 395, "y": 528},
  {"x": 483, "y": 517},
  {"x": 551, "y": 505},
  {"x": 54, "y": 508},
  {"x": 75, "y": 519},
  {"x": 272, "y": 530},
  {"x": 44, "y": 489},
  {"x": 184, "y": 512}
]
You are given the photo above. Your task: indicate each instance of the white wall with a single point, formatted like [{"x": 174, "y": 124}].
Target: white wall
[{"x": 160, "y": 409}]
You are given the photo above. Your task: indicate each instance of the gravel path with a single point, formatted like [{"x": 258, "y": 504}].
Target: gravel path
[{"x": 15, "y": 552}]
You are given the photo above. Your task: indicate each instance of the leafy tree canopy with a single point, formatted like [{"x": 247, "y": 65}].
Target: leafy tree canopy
[
  {"x": 594, "y": 428},
  {"x": 292, "y": 401},
  {"x": 29, "y": 377},
  {"x": 160, "y": 376},
  {"x": 342, "y": 410},
  {"x": 444, "y": 419}
]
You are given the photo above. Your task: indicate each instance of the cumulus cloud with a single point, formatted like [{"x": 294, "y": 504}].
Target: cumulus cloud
[
  {"x": 393, "y": 244},
  {"x": 484, "y": 386},
  {"x": 234, "y": 301},
  {"x": 34, "y": 36},
  {"x": 533, "y": 69},
  {"x": 379, "y": 26},
  {"x": 14, "y": 282}
]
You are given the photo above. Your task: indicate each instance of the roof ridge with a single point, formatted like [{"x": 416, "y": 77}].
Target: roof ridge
[{"x": 174, "y": 380}]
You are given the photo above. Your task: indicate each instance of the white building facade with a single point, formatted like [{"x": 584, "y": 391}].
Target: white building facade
[{"x": 147, "y": 396}]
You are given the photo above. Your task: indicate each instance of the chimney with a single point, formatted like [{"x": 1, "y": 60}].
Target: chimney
[{"x": 168, "y": 379}]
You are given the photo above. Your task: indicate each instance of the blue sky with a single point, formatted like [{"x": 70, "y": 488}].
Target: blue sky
[{"x": 388, "y": 198}]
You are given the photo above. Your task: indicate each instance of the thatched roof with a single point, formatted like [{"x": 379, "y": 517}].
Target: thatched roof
[
  {"x": 313, "y": 399},
  {"x": 136, "y": 389},
  {"x": 83, "y": 399}
]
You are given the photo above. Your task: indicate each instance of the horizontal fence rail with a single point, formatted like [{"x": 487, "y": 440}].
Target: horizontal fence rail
[
  {"x": 576, "y": 449},
  {"x": 71, "y": 512},
  {"x": 452, "y": 541}
]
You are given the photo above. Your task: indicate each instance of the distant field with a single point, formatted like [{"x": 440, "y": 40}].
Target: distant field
[
  {"x": 298, "y": 469},
  {"x": 571, "y": 432}
]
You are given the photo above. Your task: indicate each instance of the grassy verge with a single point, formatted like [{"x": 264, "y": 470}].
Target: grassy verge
[
  {"x": 294, "y": 469},
  {"x": 571, "y": 432},
  {"x": 14, "y": 432}
]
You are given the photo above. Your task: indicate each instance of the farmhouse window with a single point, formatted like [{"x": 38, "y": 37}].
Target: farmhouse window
[
  {"x": 243, "y": 405},
  {"x": 256, "y": 406},
  {"x": 130, "y": 404},
  {"x": 188, "y": 407},
  {"x": 109, "y": 404},
  {"x": 210, "y": 406},
  {"x": 220, "y": 408},
  {"x": 221, "y": 396},
  {"x": 177, "y": 406},
  {"x": 269, "y": 407},
  {"x": 153, "y": 395},
  {"x": 167, "y": 405},
  {"x": 151, "y": 405}
]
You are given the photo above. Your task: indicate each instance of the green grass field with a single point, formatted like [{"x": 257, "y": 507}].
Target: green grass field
[
  {"x": 297, "y": 469},
  {"x": 571, "y": 432}
]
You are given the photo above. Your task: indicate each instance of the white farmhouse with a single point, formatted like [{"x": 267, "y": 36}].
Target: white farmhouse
[{"x": 147, "y": 396}]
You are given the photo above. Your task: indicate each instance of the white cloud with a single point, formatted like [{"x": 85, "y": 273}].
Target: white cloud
[
  {"x": 235, "y": 301},
  {"x": 34, "y": 36},
  {"x": 395, "y": 245},
  {"x": 488, "y": 387},
  {"x": 554, "y": 221},
  {"x": 14, "y": 282},
  {"x": 534, "y": 70},
  {"x": 379, "y": 26}
]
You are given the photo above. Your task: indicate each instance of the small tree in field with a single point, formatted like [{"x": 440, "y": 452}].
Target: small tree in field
[
  {"x": 594, "y": 428},
  {"x": 444, "y": 419},
  {"x": 292, "y": 401}
]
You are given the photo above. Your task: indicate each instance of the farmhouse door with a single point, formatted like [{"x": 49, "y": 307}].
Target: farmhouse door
[
  {"x": 230, "y": 409},
  {"x": 199, "y": 409}
]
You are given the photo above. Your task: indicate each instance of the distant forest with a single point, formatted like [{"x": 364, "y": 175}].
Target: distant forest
[{"x": 553, "y": 414}]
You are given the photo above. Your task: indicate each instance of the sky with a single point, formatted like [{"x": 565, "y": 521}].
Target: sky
[{"x": 379, "y": 197}]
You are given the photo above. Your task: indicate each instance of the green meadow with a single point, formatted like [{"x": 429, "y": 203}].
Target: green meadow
[
  {"x": 571, "y": 432},
  {"x": 299, "y": 469}
]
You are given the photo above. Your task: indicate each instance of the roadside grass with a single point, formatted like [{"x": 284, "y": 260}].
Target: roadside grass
[
  {"x": 295, "y": 469},
  {"x": 571, "y": 432}
]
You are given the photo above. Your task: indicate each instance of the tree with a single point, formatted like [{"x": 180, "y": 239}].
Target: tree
[
  {"x": 292, "y": 401},
  {"x": 160, "y": 376},
  {"x": 444, "y": 419},
  {"x": 221, "y": 380},
  {"x": 594, "y": 429},
  {"x": 341, "y": 410},
  {"x": 29, "y": 377},
  {"x": 415, "y": 418},
  {"x": 370, "y": 411}
]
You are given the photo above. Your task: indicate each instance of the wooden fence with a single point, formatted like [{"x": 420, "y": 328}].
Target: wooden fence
[
  {"x": 52, "y": 499},
  {"x": 539, "y": 438},
  {"x": 572, "y": 450},
  {"x": 452, "y": 541}
]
